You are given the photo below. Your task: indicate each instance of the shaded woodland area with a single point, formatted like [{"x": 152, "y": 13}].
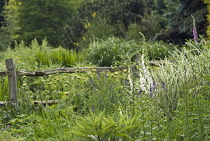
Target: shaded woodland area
[{"x": 63, "y": 23}]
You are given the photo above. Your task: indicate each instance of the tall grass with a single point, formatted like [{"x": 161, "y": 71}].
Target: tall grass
[
  {"x": 39, "y": 57},
  {"x": 183, "y": 81}
]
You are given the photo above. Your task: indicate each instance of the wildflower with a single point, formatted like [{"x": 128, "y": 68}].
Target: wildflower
[
  {"x": 66, "y": 92},
  {"x": 76, "y": 44},
  {"x": 125, "y": 82},
  {"x": 195, "y": 35},
  {"x": 152, "y": 88},
  {"x": 87, "y": 25},
  {"x": 142, "y": 80},
  {"x": 139, "y": 92},
  {"x": 94, "y": 14},
  {"x": 116, "y": 72},
  {"x": 112, "y": 74},
  {"x": 163, "y": 85},
  {"x": 143, "y": 87},
  {"x": 124, "y": 70}
]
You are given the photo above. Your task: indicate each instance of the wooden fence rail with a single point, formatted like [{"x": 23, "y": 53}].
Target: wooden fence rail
[{"x": 12, "y": 77}]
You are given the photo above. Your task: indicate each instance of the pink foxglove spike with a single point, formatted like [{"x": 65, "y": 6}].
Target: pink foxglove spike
[{"x": 195, "y": 35}]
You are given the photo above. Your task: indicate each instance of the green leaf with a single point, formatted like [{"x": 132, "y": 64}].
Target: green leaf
[
  {"x": 122, "y": 135},
  {"x": 129, "y": 127},
  {"x": 107, "y": 127},
  {"x": 76, "y": 132}
]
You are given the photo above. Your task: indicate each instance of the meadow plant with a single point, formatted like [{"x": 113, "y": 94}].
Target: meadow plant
[
  {"x": 195, "y": 35},
  {"x": 168, "y": 102},
  {"x": 182, "y": 80},
  {"x": 92, "y": 28},
  {"x": 107, "y": 52},
  {"x": 40, "y": 57},
  {"x": 140, "y": 79}
]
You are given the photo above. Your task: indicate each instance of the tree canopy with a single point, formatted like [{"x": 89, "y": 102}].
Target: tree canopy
[
  {"x": 181, "y": 23},
  {"x": 39, "y": 19},
  {"x": 63, "y": 22}
]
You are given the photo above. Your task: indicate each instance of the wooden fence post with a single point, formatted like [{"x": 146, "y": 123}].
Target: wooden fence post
[{"x": 12, "y": 80}]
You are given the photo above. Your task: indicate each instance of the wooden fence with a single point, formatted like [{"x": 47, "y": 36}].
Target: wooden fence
[{"x": 12, "y": 77}]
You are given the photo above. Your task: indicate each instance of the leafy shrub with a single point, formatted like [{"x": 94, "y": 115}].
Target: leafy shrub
[
  {"x": 124, "y": 12},
  {"x": 97, "y": 28},
  {"x": 41, "y": 56},
  {"x": 133, "y": 32},
  {"x": 106, "y": 52},
  {"x": 157, "y": 50},
  {"x": 99, "y": 127}
]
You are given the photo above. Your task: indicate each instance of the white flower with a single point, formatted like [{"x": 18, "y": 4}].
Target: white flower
[
  {"x": 142, "y": 80},
  {"x": 142, "y": 87}
]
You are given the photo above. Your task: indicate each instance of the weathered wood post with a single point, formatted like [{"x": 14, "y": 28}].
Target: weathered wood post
[{"x": 12, "y": 80}]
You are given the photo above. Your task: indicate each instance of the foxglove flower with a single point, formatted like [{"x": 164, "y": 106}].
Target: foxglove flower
[
  {"x": 164, "y": 85},
  {"x": 139, "y": 92},
  {"x": 195, "y": 35}
]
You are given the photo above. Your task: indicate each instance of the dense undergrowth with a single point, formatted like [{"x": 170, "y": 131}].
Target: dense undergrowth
[{"x": 166, "y": 102}]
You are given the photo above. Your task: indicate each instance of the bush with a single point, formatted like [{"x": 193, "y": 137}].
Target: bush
[
  {"x": 157, "y": 50},
  {"x": 97, "y": 28},
  {"x": 42, "y": 56},
  {"x": 106, "y": 52}
]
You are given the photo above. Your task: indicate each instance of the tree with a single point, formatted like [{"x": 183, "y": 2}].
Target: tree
[
  {"x": 181, "y": 24},
  {"x": 124, "y": 12},
  {"x": 208, "y": 16},
  {"x": 2, "y": 3},
  {"x": 9, "y": 23},
  {"x": 43, "y": 18}
]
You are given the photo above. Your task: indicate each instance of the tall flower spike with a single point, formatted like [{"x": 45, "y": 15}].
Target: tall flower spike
[{"x": 195, "y": 35}]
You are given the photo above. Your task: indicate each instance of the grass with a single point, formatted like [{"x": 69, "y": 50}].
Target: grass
[{"x": 169, "y": 102}]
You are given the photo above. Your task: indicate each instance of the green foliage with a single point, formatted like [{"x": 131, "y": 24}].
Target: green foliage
[
  {"x": 96, "y": 29},
  {"x": 106, "y": 52},
  {"x": 2, "y": 3},
  {"x": 208, "y": 16},
  {"x": 39, "y": 19},
  {"x": 102, "y": 128},
  {"x": 179, "y": 26},
  {"x": 109, "y": 51},
  {"x": 133, "y": 33},
  {"x": 119, "y": 13},
  {"x": 4, "y": 91},
  {"x": 9, "y": 26},
  {"x": 41, "y": 56},
  {"x": 157, "y": 50},
  {"x": 169, "y": 102},
  {"x": 194, "y": 117}
]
